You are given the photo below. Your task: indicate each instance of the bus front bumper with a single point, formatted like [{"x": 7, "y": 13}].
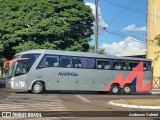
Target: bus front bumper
[{"x": 12, "y": 84}]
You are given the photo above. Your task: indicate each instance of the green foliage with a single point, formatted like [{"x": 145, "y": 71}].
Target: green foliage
[
  {"x": 156, "y": 42},
  {"x": 2, "y": 60},
  {"x": 100, "y": 51},
  {"x": 51, "y": 24},
  {"x": 157, "y": 39},
  {"x": 91, "y": 49}
]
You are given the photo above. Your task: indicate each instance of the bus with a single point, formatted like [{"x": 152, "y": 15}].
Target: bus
[{"x": 41, "y": 69}]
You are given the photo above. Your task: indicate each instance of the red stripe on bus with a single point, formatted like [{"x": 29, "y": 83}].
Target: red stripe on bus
[{"x": 137, "y": 72}]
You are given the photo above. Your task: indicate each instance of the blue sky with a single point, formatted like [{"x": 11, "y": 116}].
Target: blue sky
[{"x": 126, "y": 24}]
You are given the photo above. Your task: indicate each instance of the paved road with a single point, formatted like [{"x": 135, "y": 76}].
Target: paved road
[{"x": 69, "y": 102}]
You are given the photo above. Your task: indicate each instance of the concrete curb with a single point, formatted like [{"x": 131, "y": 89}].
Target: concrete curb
[
  {"x": 133, "y": 106},
  {"x": 155, "y": 93}
]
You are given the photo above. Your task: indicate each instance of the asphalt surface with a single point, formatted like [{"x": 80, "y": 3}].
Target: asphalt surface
[{"x": 61, "y": 105}]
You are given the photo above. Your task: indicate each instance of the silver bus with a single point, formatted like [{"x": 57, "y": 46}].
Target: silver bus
[{"x": 41, "y": 69}]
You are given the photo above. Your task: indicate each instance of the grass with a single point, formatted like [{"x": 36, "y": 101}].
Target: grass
[{"x": 143, "y": 102}]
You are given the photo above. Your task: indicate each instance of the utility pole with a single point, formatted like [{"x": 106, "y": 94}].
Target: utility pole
[{"x": 96, "y": 26}]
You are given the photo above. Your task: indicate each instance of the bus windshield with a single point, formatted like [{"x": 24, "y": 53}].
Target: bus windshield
[
  {"x": 10, "y": 70},
  {"x": 19, "y": 67}
]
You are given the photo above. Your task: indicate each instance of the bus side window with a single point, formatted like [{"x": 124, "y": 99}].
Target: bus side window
[
  {"x": 149, "y": 66},
  {"x": 66, "y": 62},
  {"x": 87, "y": 63},
  {"x": 119, "y": 65},
  {"x": 79, "y": 63},
  {"x": 116, "y": 65},
  {"x": 32, "y": 59},
  {"x": 75, "y": 62},
  {"x": 132, "y": 65},
  {"x": 103, "y": 64},
  {"x": 144, "y": 66},
  {"x": 49, "y": 61}
]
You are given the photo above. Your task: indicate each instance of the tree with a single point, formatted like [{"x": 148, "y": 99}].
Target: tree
[
  {"x": 50, "y": 24},
  {"x": 2, "y": 60},
  {"x": 156, "y": 41},
  {"x": 100, "y": 51}
]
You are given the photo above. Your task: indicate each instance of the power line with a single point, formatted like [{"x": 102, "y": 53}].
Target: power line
[
  {"x": 122, "y": 36},
  {"x": 132, "y": 9},
  {"x": 123, "y": 10},
  {"x": 119, "y": 32},
  {"x": 124, "y": 7}
]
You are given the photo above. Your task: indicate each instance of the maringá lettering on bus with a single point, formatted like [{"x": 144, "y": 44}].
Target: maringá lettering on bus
[{"x": 67, "y": 73}]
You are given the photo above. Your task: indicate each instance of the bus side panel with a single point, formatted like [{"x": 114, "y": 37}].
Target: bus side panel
[
  {"x": 94, "y": 79},
  {"x": 57, "y": 78},
  {"x": 147, "y": 81},
  {"x": 119, "y": 73},
  {"x": 34, "y": 76},
  {"x": 76, "y": 79},
  {"x": 140, "y": 80}
]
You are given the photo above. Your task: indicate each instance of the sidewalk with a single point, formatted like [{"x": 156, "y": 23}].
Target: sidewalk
[
  {"x": 155, "y": 91},
  {"x": 133, "y": 106}
]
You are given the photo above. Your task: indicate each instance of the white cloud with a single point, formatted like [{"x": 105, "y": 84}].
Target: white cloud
[
  {"x": 133, "y": 27},
  {"x": 127, "y": 44},
  {"x": 102, "y": 23}
]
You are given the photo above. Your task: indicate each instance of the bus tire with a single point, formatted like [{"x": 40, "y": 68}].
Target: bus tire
[
  {"x": 38, "y": 88},
  {"x": 115, "y": 89},
  {"x": 127, "y": 89}
]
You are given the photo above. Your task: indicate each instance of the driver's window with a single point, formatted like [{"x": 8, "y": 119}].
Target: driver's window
[{"x": 21, "y": 69}]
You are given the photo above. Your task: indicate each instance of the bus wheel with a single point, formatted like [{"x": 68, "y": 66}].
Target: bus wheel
[
  {"x": 114, "y": 89},
  {"x": 38, "y": 87},
  {"x": 127, "y": 89}
]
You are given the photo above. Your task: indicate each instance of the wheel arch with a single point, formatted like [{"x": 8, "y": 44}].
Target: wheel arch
[
  {"x": 127, "y": 84},
  {"x": 114, "y": 84},
  {"x": 33, "y": 82},
  {"x": 130, "y": 86}
]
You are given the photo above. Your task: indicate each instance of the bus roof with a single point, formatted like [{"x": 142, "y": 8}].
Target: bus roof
[{"x": 79, "y": 54}]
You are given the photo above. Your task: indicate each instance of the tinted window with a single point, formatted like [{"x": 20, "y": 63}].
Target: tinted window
[
  {"x": 132, "y": 65},
  {"x": 16, "y": 56},
  {"x": 75, "y": 62},
  {"x": 103, "y": 64},
  {"x": 32, "y": 58},
  {"x": 119, "y": 65},
  {"x": 21, "y": 67},
  {"x": 10, "y": 72},
  {"x": 65, "y": 61},
  {"x": 149, "y": 65},
  {"x": 146, "y": 66},
  {"x": 88, "y": 63},
  {"x": 49, "y": 61}
]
